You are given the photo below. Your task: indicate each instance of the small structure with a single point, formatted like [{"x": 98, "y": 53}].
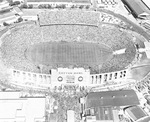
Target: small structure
[
  {"x": 70, "y": 116},
  {"x": 4, "y": 5},
  {"x": 8, "y": 17},
  {"x": 31, "y": 14},
  {"x": 119, "y": 52},
  {"x": 17, "y": 10},
  {"x": 146, "y": 49}
]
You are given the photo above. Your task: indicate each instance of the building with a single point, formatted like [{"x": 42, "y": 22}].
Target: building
[
  {"x": 107, "y": 105},
  {"x": 137, "y": 114},
  {"x": 8, "y": 17},
  {"x": 81, "y": 2},
  {"x": 4, "y": 5},
  {"x": 31, "y": 14},
  {"x": 21, "y": 109},
  {"x": 147, "y": 3},
  {"x": 137, "y": 8},
  {"x": 21, "y": 1},
  {"x": 70, "y": 116},
  {"x": 17, "y": 10}
]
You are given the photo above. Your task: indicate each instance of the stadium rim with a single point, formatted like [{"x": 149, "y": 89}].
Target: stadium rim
[{"x": 69, "y": 24}]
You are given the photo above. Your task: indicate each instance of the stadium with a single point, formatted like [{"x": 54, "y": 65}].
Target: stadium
[
  {"x": 69, "y": 47},
  {"x": 86, "y": 63}
]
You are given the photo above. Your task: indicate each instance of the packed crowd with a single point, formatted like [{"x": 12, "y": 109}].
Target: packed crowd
[
  {"x": 16, "y": 43},
  {"x": 109, "y": 36},
  {"x": 65, "y": 103},
  {"x": 69, "y": 17},
  {"x": 108, "y": 18},
  {"x": 14, "y": 46},
  {"x": 81, "y": 17},
  {"x": 143, "y": 86}
]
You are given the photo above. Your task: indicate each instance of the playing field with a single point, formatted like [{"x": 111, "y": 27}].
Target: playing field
[{"x": 69, "y": 53}]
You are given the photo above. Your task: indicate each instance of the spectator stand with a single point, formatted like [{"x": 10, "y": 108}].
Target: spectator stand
[{"x": 26, "y": 30}]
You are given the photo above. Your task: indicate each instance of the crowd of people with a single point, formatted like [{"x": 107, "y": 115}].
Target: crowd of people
[
  {"x": 143, "y": 86},
  {"x": 65, "y": 103},
  {"x": 69, "y": 17},
  {"x": 80, "y": 17},
  {"x": 108, "y": 35},
  {"x": 65, "y": 26}
]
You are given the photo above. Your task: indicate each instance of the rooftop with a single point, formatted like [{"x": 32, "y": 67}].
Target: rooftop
[
  {"x": 147, "y": 3},
  {"x": 30, "y": 12},
  {"x": 111, "y": 98},
  {"x": 137, "y": 113},
  {"x": 137, "y": 7},
  {"x": 23, "y": 109},
  {"x": 6, "y": 15},
  {"x": 9, "y": 95}
]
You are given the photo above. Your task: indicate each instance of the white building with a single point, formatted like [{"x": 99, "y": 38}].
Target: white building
[
  {"x": 4, "y": 5},
  {"x": 21, "y": 1},
  {"x": 30, "y": 14},
  {"x": 8, "y": 18},
  {"x": 16, "y": 109}
]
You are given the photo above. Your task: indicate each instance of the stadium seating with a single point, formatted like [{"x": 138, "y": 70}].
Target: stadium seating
[
  {"x": 68, "y": 26},
  {"x": 69, "y": 17}
]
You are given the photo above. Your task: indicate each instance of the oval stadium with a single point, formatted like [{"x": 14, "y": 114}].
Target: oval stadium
[{"x": 70, "y": 39}]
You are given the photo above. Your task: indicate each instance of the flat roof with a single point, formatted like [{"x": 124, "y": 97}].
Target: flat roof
[
  {"x": 11, "y": 18},
  {"x": 9, "y": 95},
  {"x": 7, "y": 15},
  {"x": 101, "y": 113},
  {"x": 30, "y": 12},
  {"x": 136, "y": 113},
  {"x": 136, "y": 6},
  {"x": 28, "y": 109},
  {"x": 147, "y": 3},
  {"x": 111, "y": 98},
  {"x": 81, "y": 1}
]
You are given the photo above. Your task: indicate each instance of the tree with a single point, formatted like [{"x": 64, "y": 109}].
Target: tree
[
  {"x": 72, "y": 6},
  {"x": 40, "y": 6},
  {"x": 5, "y": 24},
  {"x": 81, "y": 6},
  {"x": 14, "y": 3},
  {"x": 23, "y": 6},
  {"x": 87, "y": 7},
  {"x": 20, "y": 19},
  {"x": 30, "y": 6},
  {"x": 57, "y": 6},
  {"x": 63, "y": 6},
  {"x": 49, "y": 7}
]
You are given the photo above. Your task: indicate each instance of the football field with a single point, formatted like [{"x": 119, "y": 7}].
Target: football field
[{"x": 67, "y": 53}]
